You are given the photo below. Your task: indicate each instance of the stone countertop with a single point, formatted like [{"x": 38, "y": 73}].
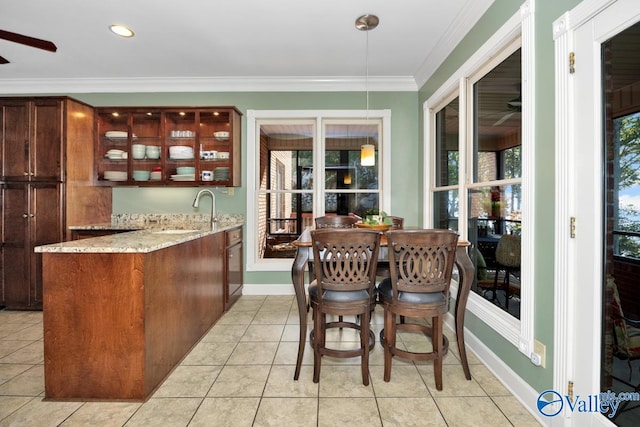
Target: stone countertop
[
  {"x": 108, "y": 226},
  {"x": 137, "y": 241}
]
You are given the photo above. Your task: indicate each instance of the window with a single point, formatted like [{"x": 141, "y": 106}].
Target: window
[
  {"x": 308, "y": 164},
  {"x": 626, "y": 181},
  {"x": 479, "y": 170},
  {"x": 447, "y": 167},
  {"x": 493, "y": 193}
]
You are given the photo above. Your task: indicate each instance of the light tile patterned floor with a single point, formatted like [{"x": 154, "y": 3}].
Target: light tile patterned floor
[{"x": 241, "y": 374}]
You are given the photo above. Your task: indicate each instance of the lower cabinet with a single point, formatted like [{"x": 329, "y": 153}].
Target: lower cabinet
[
  {"x": 31, "y": 216},
  {"x": 117, "y": 324},
  {"x": 234, "y": 267}
]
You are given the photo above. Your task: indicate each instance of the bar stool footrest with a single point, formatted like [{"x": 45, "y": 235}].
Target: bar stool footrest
[
  {"x": 415, "y": 356},
  {"x": 343, "y": 353}
]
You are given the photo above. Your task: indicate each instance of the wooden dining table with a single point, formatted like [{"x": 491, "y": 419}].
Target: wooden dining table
[{"x": 304, "y": 253}]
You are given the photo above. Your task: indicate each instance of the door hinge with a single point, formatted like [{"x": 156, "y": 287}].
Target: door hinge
[
  {"x": 570, "y": 390},
  {"x": 572, "y": 62},
  {"x": 572, "y": 227}
]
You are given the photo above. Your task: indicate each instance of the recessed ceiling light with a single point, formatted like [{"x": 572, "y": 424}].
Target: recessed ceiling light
[{"x": 121, "y": 30}]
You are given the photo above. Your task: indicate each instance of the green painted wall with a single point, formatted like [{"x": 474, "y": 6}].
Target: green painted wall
[
  {"x": 405, "y": 162},
  {"x": 546, "y": 12}
]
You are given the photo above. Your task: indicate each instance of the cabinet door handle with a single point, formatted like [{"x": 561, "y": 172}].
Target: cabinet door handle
[{"x": 25, "y": 215}]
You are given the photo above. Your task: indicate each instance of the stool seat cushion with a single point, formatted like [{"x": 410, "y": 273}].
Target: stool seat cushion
[
  {"x": 385, "y": 289},
  {"x": 339, "y": 296}
]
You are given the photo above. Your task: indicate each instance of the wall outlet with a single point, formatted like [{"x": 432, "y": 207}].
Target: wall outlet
[
  {"x": 535, "y": 359},
  {"x": 230, "y": 191},
  {"x": 538, "y": 357}
]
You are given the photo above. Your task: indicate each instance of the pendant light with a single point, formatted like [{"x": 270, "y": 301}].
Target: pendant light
[{"x": 367, "y": 23}]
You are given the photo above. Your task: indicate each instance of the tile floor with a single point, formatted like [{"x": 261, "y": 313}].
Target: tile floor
[{"x": 241, "y": 374}]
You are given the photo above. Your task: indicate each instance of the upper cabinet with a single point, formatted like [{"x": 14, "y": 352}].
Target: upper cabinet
[
  {"x": 168, "y": 146},
  {"x": 32, "y": 137}
]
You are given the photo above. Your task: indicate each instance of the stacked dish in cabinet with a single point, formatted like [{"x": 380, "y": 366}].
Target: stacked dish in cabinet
[
  {"x": 184, "y": 173},
  {"x": 180, "y": 152},
  {"x": 221, "y": 174},
  {"x": 115, "y": 175}
]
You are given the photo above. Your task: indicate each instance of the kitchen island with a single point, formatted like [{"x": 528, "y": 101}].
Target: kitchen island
[{"x": 121, "y": 311}]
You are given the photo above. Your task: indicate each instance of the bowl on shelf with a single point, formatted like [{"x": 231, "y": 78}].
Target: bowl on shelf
[
  {"x": 141, "y": 175},
  {"x": 152, "y": 152},
  {"x": 138, "y": 151},
  {"x": 156, "y": 176},
  {"x": 223, "y": 155},
  {"x": 185, "y": 170}
]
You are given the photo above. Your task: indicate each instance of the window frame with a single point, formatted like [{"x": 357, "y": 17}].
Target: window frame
[
  {"x": 320, "y": 118},
  {"x": 518, "y": 31}
]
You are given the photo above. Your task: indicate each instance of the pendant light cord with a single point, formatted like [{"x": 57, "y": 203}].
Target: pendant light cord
[{"x": 366, "y": 79}]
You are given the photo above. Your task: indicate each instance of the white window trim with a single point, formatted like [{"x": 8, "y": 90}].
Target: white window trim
[
  {"x": 518, "y": 332},
  {"x": 254, "y": 263}
]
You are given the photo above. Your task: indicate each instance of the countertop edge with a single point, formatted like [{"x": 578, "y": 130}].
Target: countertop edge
[{"x": 136, "y": 241}]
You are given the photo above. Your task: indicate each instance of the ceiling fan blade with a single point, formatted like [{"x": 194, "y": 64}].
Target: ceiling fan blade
[
  {"x": 504, "y": 118},
  {"x": 3, "y": 61},
  {"x": 28, "y": 41}
]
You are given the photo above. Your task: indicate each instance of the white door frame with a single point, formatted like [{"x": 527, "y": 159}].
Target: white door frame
[{"x": 578, "y": 195}]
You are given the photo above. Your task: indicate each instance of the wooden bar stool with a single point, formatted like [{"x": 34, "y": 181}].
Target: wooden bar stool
[
  {"x": 421, "y": 264},
  {"x": 345, "y": 276}
]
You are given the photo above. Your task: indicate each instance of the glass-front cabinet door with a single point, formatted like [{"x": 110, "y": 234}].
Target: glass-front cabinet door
[
  {"x": 181, "y": 146},
  {"x": 216, "y": 146},
  {"x": 112, "y": 147},
  {"x": 168, "y": 146}
]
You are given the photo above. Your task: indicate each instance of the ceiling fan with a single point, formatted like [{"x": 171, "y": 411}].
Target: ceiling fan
[
  {"x": 513, "y": 106},
  {"x": 27, "y": 41}
]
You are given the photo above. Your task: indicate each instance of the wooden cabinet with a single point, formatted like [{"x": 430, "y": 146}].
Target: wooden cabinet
[
  {"x": 31, "y": 139},
  {"x": 31, "y": 216},
  {"x": 117, "y": 324},
  {"x": 46, "y": 182},
  {"x": 168, "y": 146},
  {"x": 234, "y": 267}
]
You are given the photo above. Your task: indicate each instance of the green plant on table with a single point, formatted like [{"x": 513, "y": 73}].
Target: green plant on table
[{"x": 375, "y": 217}]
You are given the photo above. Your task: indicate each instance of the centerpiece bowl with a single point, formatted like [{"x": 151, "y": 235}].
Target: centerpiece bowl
[{"x": 376, "y": 227}]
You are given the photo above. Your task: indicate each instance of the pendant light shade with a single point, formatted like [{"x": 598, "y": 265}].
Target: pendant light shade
[{"x": 368, "y": 155}]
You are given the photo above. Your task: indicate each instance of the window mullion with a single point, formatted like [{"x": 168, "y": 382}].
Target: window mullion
[
  {"x": 318, "y": 166},
  {"x": 465, "y": 150}
]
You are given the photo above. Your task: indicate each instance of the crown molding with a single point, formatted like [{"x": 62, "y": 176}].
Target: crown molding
[
  {"x": 209, "y": 84},
  {"x": 464, "y": 22}
]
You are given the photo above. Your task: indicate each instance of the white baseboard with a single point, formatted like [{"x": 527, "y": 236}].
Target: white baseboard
[{"x": 522, "y": 391}]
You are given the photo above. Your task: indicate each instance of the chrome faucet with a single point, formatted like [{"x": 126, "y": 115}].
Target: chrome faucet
[{"x": 196, "y": 203}]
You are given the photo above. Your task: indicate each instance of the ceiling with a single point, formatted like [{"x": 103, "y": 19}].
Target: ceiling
[{"x": 197, "y": 45}]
